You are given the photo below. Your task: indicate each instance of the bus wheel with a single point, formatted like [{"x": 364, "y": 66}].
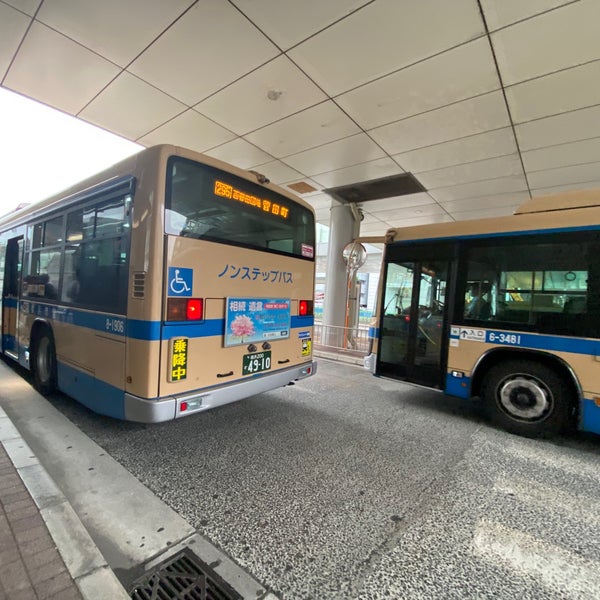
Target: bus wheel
[
  {"x": 527, "y": 398},
  {"x": 43, "y": 363}
]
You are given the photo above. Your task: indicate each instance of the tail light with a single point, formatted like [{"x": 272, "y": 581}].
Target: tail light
[
  {"x": 185, "y": 309},
  {"x": 305, "y": 308}
]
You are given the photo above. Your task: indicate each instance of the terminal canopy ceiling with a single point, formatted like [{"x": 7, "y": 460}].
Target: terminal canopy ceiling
[{"x": 484, "y": 102}]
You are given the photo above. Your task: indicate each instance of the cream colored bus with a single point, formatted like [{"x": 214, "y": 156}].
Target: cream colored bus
[
  {"x": 166, "y": 285},
  {"x": 504, "y": 309}
]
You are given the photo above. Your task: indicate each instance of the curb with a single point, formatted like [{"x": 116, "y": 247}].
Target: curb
[
  {"x": 340, "y": 357},
  {"x": 85, "y": 563}
]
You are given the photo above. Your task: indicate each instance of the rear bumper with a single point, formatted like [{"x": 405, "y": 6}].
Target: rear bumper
[{"x": 169, "y": 408}]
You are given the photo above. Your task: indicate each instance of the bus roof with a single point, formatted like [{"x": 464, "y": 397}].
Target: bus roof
[
  {"x": 564, "y": 201},
  {"x": 574, "y": 209},
  {"x": 126, "y": 167}
]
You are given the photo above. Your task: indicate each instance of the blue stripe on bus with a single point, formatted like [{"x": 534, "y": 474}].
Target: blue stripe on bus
[
  {"x": 475, "y": 236},
  {"x": 206, "y": 328},
  {"x": 302, "y": 322},
  {"x": 590, "y": 416},
  {"x": 97, "y": 395},
  {"x": 458, "y": 386},
  {"x": 90, "y": 320},
  {"x": 139, "y": 329},
  {"x": 9, "y": 342},
  {"x": 143, "y": 330},
  {"x": 538, "y": 341}
]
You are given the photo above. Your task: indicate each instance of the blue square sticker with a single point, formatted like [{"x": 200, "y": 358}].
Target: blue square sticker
[{"x": 181, "y": 281}]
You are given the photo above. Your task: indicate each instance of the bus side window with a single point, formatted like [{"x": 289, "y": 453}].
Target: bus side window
[
  {"x": 43, "y": 276},
  {"x": 544, "y": 284},
  {"x": 478, "y": 303}
]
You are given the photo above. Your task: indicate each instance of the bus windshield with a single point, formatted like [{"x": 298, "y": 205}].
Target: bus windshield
[{"x": 203, "y": 202}]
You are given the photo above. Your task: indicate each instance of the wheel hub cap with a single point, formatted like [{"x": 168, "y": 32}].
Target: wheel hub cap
[{"x": 525, "y": 398}]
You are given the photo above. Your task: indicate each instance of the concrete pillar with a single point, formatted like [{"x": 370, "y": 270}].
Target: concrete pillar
[{"x": 343, "y": 228}]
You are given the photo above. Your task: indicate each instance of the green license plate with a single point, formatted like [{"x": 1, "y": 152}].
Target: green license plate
[{"x": 255, "y": 363}]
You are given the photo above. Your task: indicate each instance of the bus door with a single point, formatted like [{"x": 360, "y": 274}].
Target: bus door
[
  {"x": 412, "y": 331},
  {"x": 13, "y": 261}
]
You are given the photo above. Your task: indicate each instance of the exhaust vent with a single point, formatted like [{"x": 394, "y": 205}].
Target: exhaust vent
[
  {"x": 375, "y": 189},
  {"x": 139, "y": 285}
]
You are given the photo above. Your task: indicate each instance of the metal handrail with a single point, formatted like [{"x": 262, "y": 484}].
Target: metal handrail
[{"x": 344, "y": 339}]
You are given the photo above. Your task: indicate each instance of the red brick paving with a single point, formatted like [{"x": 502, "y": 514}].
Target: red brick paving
[{"x": 30, "y": 566}]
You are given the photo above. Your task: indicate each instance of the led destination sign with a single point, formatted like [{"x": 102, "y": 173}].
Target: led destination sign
[{"x": 228, "y": 191}]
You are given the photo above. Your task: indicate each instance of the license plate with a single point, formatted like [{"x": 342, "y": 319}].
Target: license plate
[{"x": 255, "y": 363}]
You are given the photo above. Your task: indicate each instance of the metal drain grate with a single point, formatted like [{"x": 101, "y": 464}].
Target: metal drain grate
[{"x": 182, "y": 577}]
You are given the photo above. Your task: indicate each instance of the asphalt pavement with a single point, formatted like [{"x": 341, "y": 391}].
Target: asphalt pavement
[{"x": 344, "y": 486}]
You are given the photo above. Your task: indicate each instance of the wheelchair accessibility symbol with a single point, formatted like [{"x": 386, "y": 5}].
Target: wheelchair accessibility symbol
[{"x": 180, "y": 281}]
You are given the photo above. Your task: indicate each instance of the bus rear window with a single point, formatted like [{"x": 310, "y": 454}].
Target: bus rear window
[{"x": 206, "y": 203}]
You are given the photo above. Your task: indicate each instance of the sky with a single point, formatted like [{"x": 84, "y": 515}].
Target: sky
[{"x": 44, "y": 151}]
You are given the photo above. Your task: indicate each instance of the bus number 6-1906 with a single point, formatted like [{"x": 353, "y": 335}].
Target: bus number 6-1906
[{"x": 115, "y": 325}]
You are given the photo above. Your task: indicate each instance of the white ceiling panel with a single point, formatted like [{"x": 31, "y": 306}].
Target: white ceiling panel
[
  {"x": 500, "y": 201},
  {"x": 568, "y": 127},
  {"x": 119, "y": 33},
  {"x": 533, "y": 47},
  {"x": 280, "y": 76},
  {"x": 562, "y": 155},
  {"x": 557, "y": 189},
  {"x": 565, "y": 175},
  {"x": 312, "y": 127},
  {"x": 500, "y": 13},
  {"x": 195, "y": 58},
  {"x": 27, "y": 6},
  {"x": 336, "y": 155},
  {"x": 480, "y": 188},
  {"x": 375, "y": 228},
  {"x": 383, "y": 37},
  {"x": 408, "y": 212},
  {"x": 388, "y": 204},
  {"x": 560, "y": 92},
  {"x": 278, "y": 172},
  {"x": 288, "y": 22},
  {"x": 240, "y": 153},
  {"x": 491, "y": 168},
  {"x": 190, "y": 130},
  {"x": 13, "y": 25},
  {"x": 485, "y": 213},
  {"x": 369, "y": 218},
  {"x": 499, "y": 142},
  {"x": 425, "y": 220},
  {"x": 455, "y": 75},
  {"x": 47, "y": 57},
  {"x": 465, "y": 118},
  {"x": 318, "y": 201},
  {"x": 375, "y": 169},
  {"x": 365, "y": 89},
  {"x": 131, "y": 107}
]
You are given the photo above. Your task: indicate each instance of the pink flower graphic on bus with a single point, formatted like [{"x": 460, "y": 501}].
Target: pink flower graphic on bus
[{"x": 242, "y": 326}]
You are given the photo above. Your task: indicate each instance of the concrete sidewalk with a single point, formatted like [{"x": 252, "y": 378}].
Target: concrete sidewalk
[
  {"x": 45, "y": 551},
  {"x": 107, "y": 529}
]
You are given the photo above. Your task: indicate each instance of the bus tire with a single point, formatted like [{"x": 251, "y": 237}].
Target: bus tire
[
  {"x": 527, "y": 398},
  {"x": 43, "y": 362}
]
